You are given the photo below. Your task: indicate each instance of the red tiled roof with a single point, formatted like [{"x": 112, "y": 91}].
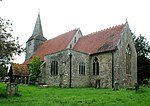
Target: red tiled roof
[
  {"x": 20, "y": 70},
  {"x": 101, "y": 41},
  {"x": 56, "y": 44}
]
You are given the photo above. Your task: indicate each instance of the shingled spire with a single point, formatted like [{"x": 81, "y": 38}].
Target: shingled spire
[
  {"x": 37, "y": 32},
  {"x": 36, "y": 38},
  {"x": 38, "y": 27}
]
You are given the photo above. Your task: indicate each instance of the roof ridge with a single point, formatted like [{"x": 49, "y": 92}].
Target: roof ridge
[
  {"x": 63, "y": 34},
  {"x": 106, "y": 29},
  {"x": 69, "y": 31}
]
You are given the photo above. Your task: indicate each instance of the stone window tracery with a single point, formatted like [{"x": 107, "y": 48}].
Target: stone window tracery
[
  {"x": 54, "y": 68},
  {"x": 95, "y": 66},
  {"x": 128, "y": 60},
  {"x": 81, "y": 68},
  {"x": 70, "y": 45},
  {"x": 75, "y": 40}
]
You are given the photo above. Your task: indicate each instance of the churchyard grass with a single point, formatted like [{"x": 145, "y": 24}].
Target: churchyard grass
[{"x": 53, "y": 96}]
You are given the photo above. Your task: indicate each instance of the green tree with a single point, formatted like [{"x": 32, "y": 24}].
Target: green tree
[
  {"x": 34, "y": 68},
  {"x": 143, "y": 61},
  {"x": 9, "y": 46},
  {"x": 3, "y": 71},
  {"x": 142, "y": 46}
]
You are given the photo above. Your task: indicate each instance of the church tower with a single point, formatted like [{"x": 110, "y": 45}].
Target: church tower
[{"x": 36, "y": 39}]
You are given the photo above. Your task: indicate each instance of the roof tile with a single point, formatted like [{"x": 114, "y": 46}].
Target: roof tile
[
  {"x": 101, "y": 41},
  {"x": 20, "y": 70},
  {"x": 56, "y": 44}
]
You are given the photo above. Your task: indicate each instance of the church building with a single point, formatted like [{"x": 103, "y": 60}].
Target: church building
[{"x": 102, "y": 59}]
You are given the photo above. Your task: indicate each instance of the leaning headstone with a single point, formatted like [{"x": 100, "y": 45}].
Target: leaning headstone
[
  {"x": 12, "y": 89},
  {"x": 148, "y": 83},
  {"x": 116, "y": 85},
  {"x": 136, "y": 86}
]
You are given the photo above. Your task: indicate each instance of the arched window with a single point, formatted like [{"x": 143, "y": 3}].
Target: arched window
[
  {"x": 54, "y": 68},
  {"x": 75, "y": 40},
  {"x": 128, "y": 60},
  {"x": 82, "y": 68},
  {"x": 70, "y": 45},
  {"x": 95, "y": 67}
]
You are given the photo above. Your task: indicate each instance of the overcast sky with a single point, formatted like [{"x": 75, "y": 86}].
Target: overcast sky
[{"x": 60, "y": 16}]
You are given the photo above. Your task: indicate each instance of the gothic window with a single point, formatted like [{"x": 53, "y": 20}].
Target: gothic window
[
  {"x": 70, "y": 45},
  {"x": 82, "y": 68},
  {"x": 75, "y": 40},
  {"x": 128, "y": 60},
  {"x": 95, "y": 67},
  {"x": 54, "y": 68}
]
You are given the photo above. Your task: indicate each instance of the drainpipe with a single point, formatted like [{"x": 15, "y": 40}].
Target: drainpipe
[
  {"x": 112, "y": 70},
  {"x": 70, "y": 56}
]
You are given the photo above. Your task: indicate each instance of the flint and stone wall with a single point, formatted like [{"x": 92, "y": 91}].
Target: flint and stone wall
[
  {"x": 105, "y": 70},
  {"x": 77, "y": 80},
  {"x": 63, "y": 77},
  {"x": 31, "y": 46},
  {"x": 120, "y": 64}
]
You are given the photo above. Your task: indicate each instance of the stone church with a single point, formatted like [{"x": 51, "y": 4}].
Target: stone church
[{"x": 102, "y": 59}]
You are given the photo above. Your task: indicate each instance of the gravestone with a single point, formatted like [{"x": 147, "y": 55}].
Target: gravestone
[
  {"x": 116, "y": 85},
  {"x": 136, "y": 86},
  {"x": 148, "y": 83},
  {"x": 12, "y": 87}
]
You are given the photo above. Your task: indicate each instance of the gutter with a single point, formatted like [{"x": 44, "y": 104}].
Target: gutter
[
  {"x": 70, "y": 80},
  {"x": 112, "y": 78},
  {"x": 108, "y": 51}
]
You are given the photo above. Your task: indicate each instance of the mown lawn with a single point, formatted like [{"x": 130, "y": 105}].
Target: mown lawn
[{"x": 53, "y": 96}]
